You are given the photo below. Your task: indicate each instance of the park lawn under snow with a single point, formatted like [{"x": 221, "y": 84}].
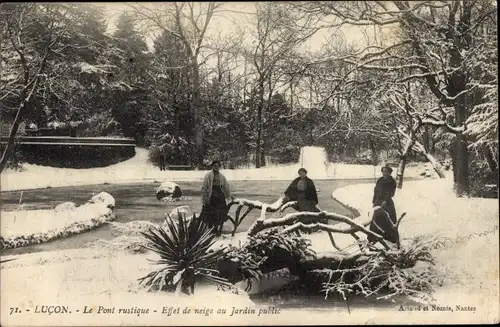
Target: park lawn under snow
[
  {"x": 138, "y": 169},
  {"x": 92, "y": 277}
]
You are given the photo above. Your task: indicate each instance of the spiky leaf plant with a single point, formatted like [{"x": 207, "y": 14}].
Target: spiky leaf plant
[{"x": 185, "y": 255}]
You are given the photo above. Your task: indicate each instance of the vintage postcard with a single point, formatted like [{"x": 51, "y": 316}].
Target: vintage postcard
[{"x": 249, "y": 163}]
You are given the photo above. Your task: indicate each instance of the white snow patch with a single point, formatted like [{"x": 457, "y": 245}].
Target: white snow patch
[
  {"x": 65, "y": 206},
  {"x": 468, "y": 228},
  {"x": 139, "y": 169},
  {"x": 184, "y": 210},
  {"x": 104, "y": 198},
  {"x": 431, "y": 207},
  {"x": 23, "y": 223},
  {"x": 168, "y": 189}
]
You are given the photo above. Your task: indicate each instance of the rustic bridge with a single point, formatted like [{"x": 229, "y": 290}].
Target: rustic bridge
[
  {"x": 72, "y": 152},
  {"x": 72, "y": 141}
]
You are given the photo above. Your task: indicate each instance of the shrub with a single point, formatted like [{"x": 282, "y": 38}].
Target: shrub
[
  {"x": 480, "y": 176},
  {"x": 174, "y": 156},
  {"x": 154, "y": 155},
  {"x": 285, "y": 155}
]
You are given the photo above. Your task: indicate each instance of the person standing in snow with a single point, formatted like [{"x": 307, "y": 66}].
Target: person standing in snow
[
  {"x": 385, "y": 188},
  {"x": 215, "y": 193}
]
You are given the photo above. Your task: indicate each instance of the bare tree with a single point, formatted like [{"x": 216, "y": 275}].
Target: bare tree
[
  {"x": 277, "y": 36},
  {"x": 443, "y": 44},
  {"x": 189, "y": 22}
]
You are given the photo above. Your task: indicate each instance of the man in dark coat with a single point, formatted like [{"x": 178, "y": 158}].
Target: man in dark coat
[{"x": 385, "y": 188}]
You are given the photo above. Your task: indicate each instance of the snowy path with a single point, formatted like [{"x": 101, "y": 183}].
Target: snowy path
[{"x": 138, "y": 169}]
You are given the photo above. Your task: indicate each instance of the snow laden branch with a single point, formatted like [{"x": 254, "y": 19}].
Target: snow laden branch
[
  {"x": 418, "y": 116},
  {"x": 279, "y": 205},
  {"x": 426, "y": 117},
  {"x": 294, "y": 220}
]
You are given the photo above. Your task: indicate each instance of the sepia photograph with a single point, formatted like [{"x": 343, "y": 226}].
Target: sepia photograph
[{"x": 249, "y": 163}]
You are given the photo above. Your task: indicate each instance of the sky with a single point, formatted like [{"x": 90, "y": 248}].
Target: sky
[{"x": 239, "y": 15}]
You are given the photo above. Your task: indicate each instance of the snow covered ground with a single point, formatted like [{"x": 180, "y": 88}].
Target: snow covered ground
[
  {"x": 100, "y": 277},
  {"x": 93, "y": 278},
  {"x": 138, "y": 169},
  {"x": 467, "y": 228}
]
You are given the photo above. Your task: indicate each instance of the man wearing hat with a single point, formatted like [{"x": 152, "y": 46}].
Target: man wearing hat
[{"x": 382, "y": 196}]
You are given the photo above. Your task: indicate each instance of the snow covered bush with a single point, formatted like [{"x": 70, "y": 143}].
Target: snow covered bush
[
  {"x": 24, "y": 228},
  {"x": 168, "y": 190},
  {"x": 182, "y": 210}
]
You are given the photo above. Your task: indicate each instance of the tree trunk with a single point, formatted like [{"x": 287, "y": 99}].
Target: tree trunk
[
  {"x": 426, "y": 139},
  {"x": 435, "y": 164},
  {"x": 7, "y": 152},
  {"x": 196, "y": 110},
  {"x": 410, "y": 141},
  {"x": 457, "y": 84},
  {"x": 401, "y": 171},
  {"x": 451, "y": 150},
  {"x": 492, "y": 163},
  {"x": 374, "y": 152},
  {"x": 17, "y": 121},
  {"x": 461, "y": 151},
  {"x": 262, "y": 157},
  {"x": 260, "y": 107}
]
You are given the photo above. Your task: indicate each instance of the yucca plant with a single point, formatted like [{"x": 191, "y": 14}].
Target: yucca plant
[{"x": 185, "y": 255}]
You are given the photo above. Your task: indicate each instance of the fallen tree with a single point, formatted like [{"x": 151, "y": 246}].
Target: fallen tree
[{"x": 375, "y": 269}]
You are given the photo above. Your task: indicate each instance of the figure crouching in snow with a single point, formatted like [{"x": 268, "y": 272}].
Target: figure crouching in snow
[{"x": 384, "y": 220}]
